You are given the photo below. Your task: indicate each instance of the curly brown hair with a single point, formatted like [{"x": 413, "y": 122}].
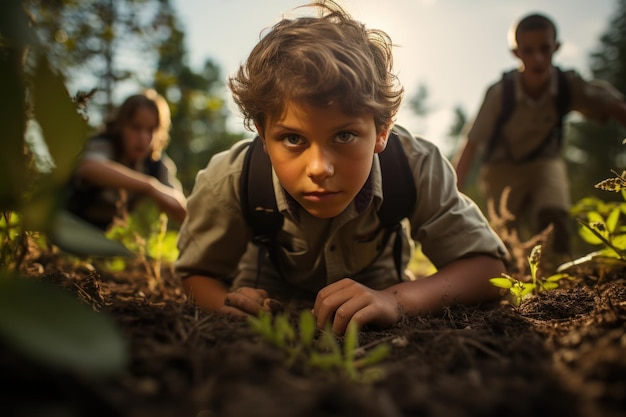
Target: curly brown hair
[{"x": 323, "y": 60}]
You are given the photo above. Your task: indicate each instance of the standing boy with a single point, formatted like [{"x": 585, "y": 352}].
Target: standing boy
[
  {"x": 321, "y": 95},
  {"x": 518, "y": 130}
]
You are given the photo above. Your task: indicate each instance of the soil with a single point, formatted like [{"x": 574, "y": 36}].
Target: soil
[{"x": 562, "y": 353}]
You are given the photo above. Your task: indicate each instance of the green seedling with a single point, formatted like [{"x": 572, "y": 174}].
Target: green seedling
[
  {"x": 519, "y": 289},
  {"x": 324, "y": 352},
  {"x": 601, "y": 224},
  {"x": 145, "y": 233}
]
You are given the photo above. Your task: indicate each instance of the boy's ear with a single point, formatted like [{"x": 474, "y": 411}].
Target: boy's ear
[
  {"x": 515, "y": 52},
  {"x": 381, "y": 139},
  {"x": 259, "y": 130},
  {"x": 261, "y": 134}
]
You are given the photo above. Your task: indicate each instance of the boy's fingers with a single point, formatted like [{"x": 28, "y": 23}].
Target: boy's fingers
[{"x": 249, "y": 300}]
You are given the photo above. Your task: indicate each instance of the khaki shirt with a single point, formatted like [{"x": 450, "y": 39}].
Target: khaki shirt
[
  {"x": 214, "y": 240},
  {"x": 531, "y": 120}
]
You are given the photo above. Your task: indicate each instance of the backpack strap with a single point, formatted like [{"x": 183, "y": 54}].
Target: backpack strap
[
  {"x": 508, "y": 104},
  {"x": 562, "y": 103},
  {"x": 258, "y": 201},
  {"x": 399, "y": 195}
]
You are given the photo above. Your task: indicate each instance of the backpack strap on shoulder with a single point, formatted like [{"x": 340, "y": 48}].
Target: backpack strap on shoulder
[
  {"x": 258, "y": 202},
  {"x": 563, "y": 95},
  {"x": 399, "y": 195},
  {"x": 508, "y": 104}
]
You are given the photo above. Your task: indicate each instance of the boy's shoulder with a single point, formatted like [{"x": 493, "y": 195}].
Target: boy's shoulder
[{"x": 414, "y": 146}]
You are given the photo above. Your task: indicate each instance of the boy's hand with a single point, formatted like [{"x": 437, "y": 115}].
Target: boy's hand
[
  {"x": 247, "y": 300},
  {"x": 344, "y": 301}
]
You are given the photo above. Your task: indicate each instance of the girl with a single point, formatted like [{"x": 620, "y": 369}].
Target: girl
[{"x": 124, "y": 163}]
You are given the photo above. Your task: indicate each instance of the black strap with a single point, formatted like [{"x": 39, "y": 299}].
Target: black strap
[
  {"x": 399, "y": 195},
  {"x": 507, "y": 105},
  {"x": 562, "y": 103},
  {"x": 258, "y": 203}
]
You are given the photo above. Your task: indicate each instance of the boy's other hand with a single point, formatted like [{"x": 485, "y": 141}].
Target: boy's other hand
[
  {"x": 247, "y": 300},
  {"x": 344, "y": 301}
]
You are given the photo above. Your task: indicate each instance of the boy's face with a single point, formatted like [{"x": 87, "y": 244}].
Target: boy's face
[
  {"x": 321, "y": 156},
  {"x": 535, "y": 49}
]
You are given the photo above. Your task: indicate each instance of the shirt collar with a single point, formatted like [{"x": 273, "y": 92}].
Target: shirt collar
[{"x": 521, "y": 96}]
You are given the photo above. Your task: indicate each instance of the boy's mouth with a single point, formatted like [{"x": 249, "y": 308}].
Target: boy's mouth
[{"x": 319, "y": 195}]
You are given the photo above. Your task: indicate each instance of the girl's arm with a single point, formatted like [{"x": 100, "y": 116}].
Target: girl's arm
[{"x": 115, "y": 175}]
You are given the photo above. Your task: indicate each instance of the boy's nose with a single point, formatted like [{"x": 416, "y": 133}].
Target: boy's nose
[{"x": 319, "y": 164}]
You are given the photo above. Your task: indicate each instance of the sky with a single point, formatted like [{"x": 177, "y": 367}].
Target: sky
[{"x": 455, "y": 48}]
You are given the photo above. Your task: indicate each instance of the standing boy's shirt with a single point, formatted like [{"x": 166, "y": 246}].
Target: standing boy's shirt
[
  {"x": 315, "y": 252},
  {"x": 531, "y": 121}
]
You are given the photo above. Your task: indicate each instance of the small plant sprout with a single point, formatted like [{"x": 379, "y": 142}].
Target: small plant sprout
[
  {"x": 301, "y": 346},
  {"x": 520, "y": 289}
]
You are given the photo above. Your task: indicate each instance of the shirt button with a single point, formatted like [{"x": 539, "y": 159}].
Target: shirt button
[{"x": 333, "y": 248}]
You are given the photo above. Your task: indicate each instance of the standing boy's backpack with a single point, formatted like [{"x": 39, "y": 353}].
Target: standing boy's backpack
[
  {"x": 562, "y": 103},
  {"x": 258, "y": 201}
]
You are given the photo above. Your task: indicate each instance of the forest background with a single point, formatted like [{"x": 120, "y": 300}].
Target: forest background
[{"x": 85, "y": 43}]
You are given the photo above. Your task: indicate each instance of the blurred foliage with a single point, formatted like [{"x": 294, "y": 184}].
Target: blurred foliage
[
  {"x": 108, "y": 45},
  {"x": 592, "y": 149},
  {"x": 196, "y": 101},
  {"x": 43, "y": 321},
  {"x": 71, "y": 335},
  {"x": 100, "y": 42}
]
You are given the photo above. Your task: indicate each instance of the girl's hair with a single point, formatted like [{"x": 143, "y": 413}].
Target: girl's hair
[
  {"x": 329, "y": 59},
  {"x": 126, "y": 111}
]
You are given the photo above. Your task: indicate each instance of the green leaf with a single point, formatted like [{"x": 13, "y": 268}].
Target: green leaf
[
  {"x": 12, "y": 123},
  {"x": 374, "y": 356},
  {"x": 283, "y": 329},
  {"x": 326, "y": 361},
  {"x": 49, "y": 325},
  {"x": 63, "y": 128},
  {"x": 351, "y": 341},
  {"x": 501, "y": 282},
  {"x": 527, "y": 288},
  {"x": 558, "y": 277},
  {"x": 549, "y": 285},
  {"x": 612, "y": 220},
  {"x": 73, "y": 235},
  {"x": 307, "y": 328}
]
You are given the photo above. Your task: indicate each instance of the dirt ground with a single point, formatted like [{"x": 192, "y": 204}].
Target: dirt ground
[{"x": 563, "y": 353}]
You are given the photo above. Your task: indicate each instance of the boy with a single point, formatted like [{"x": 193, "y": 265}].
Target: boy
[
  {"x": 522, "y": 151},
  {"x": 321, "y": 96}
]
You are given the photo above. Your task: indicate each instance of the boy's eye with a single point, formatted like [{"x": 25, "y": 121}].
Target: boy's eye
[
  {"x": 345, "y": 137},
  {"x": 293, "y": 140}
]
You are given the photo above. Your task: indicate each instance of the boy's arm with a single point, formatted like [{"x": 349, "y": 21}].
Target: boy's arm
[
  {"x": 464, "y": 281},
  {"x": 463, "y": 161},
  {"x": 212, "y": 295},
  {"x": 617, "y": 110}
]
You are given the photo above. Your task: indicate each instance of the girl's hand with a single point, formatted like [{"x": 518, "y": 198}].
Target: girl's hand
[
  {"x": 344, "y": 301},
  {"x": 170, "y": 200}
]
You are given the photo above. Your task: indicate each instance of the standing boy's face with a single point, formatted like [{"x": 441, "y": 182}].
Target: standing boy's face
[
  {"x": 535, "y": 49},
  {"x": 321, "y": 156}
]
